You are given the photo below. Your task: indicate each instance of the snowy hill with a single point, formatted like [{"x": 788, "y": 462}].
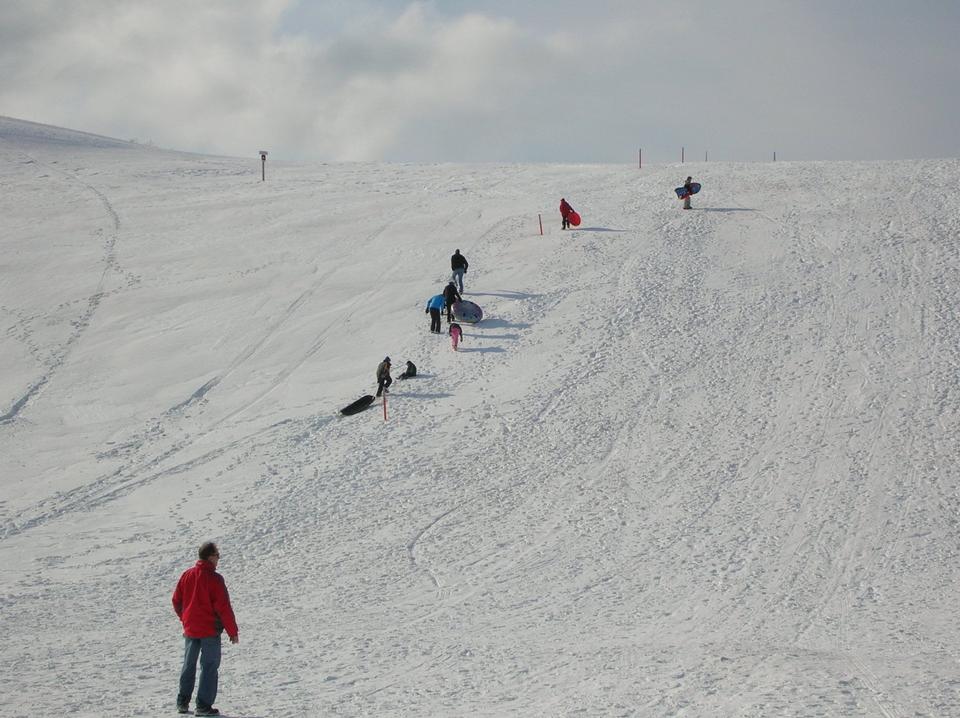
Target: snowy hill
[{"x": 691, "y": 464}]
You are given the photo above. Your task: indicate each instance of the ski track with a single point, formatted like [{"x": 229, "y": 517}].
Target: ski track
[{"x": 109, "y": 236}]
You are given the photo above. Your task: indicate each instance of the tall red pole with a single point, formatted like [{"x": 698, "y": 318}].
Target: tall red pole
[{"x": 384, "y": 406}]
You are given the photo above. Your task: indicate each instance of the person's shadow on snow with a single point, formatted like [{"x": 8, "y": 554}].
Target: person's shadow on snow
[
  {"x": 421, "y": 395},
  {"x": 511, "y": 337},
  {"x": 505, "y": 293},
  {"x": 480, "y": 350},
  {"x": 496, "y": 324}
]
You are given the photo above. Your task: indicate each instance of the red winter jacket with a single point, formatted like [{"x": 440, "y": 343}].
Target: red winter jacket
[
  {"x": 565, "y": 209},
  {"x": 203, "y": 604}
]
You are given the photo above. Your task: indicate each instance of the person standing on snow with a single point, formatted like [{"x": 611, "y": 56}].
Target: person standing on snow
[
  {"x": 689, "y": 194},
  {"x": 456, "y": 335},
  {"x": 565, "y": 210},
  {"x": 434, "y": 305},
  {"x": 202, "y": 603},
  {"x": 383, "y": 376},
  {"x": 459, "y": 264},
  {"x": 450, "y": 295}
]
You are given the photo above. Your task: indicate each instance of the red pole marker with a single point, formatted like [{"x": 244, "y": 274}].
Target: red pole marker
[
  {"x": 540, "y": 219},
  {"x": 384, "y": 406}
]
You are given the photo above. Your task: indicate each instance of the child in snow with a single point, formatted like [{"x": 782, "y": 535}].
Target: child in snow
[
  {"x": 410, "y": 371},
  {"x": 456, "y": 335}
]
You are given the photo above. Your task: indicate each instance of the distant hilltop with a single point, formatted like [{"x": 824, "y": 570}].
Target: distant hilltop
[{"x": 26, "y": 132}]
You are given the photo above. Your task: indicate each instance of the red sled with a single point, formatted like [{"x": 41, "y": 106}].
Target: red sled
[{"x": 574, "y": 219}]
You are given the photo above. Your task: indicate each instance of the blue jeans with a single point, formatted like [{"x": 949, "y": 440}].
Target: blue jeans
[
  {"x": 458, "y": 278},
  {"x": 208, "y": 651}
]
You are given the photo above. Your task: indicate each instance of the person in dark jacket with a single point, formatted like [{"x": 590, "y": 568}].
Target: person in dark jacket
[
  {"x": 202, "y": 603},
  {"x": 434, "y": 305},
  {"x": 383, "y": 376},
  {"x": 409, "y": 371},
  {"x": 459, "y": 264},
  {"x": 688, "y": 195},
  {"x": 565, "y": 211},
  {"x": 450, "y": 295}
]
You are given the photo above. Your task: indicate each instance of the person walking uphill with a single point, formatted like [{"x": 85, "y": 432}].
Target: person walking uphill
[
  {"x": 450, "y": 295},
  {"x": 686, "y": 186},
  {"x": 383, "y": 376},
  {"x": 456, "y": 335},
  {"x": 459, "y": 264},
  {"x": 202, "y": 603},
  {"x": 434, "y": 305},
  {"x": 565, "y": 210}
]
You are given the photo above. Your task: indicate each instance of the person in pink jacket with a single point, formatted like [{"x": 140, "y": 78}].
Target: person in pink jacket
[
  {"x": 202, "y": 603},
  {"x": 456, "y": 335}
]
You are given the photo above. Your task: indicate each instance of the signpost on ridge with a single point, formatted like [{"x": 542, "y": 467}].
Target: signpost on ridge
[{"x": 263, "y": 165}]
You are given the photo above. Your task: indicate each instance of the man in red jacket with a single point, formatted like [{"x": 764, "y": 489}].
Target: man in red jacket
[{"x": 203, "y": 605}]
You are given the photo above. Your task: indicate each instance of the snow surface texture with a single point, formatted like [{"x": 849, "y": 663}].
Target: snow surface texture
[{"x": 692, "y": 463}]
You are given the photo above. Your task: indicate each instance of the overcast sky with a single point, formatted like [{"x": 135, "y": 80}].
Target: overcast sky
[{"x": 517, "y": 81}]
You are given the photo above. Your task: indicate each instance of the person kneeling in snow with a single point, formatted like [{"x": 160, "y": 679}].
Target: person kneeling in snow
[{"x": 410, "y": 371}]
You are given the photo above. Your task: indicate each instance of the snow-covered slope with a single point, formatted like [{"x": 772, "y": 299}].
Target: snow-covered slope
[{"x": 692, "y": 464}]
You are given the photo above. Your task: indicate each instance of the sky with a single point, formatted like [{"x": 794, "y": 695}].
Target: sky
[{"x": 531, "y": 81}]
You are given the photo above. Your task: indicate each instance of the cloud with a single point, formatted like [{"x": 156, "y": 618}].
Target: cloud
[{"x": 427, "y": 81}]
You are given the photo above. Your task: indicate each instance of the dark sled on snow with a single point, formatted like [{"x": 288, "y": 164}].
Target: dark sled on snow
[{"x": 359, "y": 405}]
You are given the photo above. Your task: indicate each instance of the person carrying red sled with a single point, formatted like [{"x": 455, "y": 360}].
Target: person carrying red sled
[{"x": 565, "y": 211}]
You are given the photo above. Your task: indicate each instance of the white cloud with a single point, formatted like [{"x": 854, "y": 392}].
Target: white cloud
[{"x": 437, "y": 81}]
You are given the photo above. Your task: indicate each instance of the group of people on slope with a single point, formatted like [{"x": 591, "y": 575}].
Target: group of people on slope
[
  {"x": 201, "y": 600},
  {"x": 450, "y": 295},
  {"x": 435, "y": 305}
]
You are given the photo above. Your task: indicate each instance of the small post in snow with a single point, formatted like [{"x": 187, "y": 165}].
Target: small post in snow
[
  {"x": 540, "y": 220},
  {"x": 263, "y": 165},
  {"x": 706, "y": 155},
  {"x": 640, "y": 159},
  {"x": 774, "y": 155},
  {"x": 681, "y": 154},
  {"x": 384, "y": 405}
]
